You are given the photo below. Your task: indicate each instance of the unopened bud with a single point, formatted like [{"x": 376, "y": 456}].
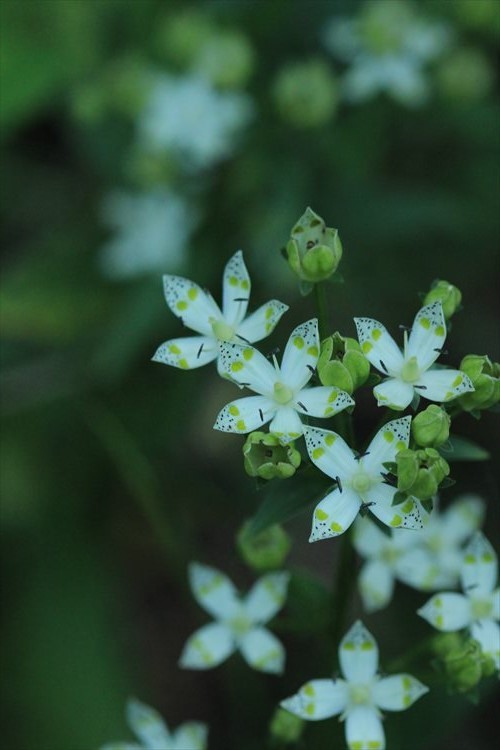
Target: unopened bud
[
  {"x": 431, "y": 427},
  {"x": 449, "y": 296},
  {"x": 463, "y": 666},
  {"x": 265, "y": 457},
  {"x": 266, "y": 550},
  {"x": 485, "y": 377},
  {"x": 306, "y": 93},
  {"x": 286, "y": 727},
  {"x": 342, "y": 363},
  {"x": 420, "y": 472},
  {"x": 314, "y": 250}
]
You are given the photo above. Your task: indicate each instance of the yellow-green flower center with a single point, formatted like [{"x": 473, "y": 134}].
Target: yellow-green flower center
[
  {"x": 222, "y": 330},
  {"x": 361, "y": 482},
  {"x": 410, "y": 371},
  {"x": 360, "y": 694},
  {"x": 481, "y": 608},
  {"x": 282, "y": 393},
  {"x": 240, "y": 624}
]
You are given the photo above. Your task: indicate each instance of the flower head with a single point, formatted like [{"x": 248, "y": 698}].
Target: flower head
[
  {"x": 359, "y": 695},
  {"x": 153, "y": 733},
  {"x": 360, "y": 480},
  {"x": 198, "y": 310},
  {"x": 239, "y": 622},
  {"x": 282, "y": 392},
  {"x": 478, "y": 608},
  {"x": 408, "y": 372}
]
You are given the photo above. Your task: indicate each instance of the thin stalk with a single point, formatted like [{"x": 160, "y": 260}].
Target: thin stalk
[{"x": 322, "y": 309}]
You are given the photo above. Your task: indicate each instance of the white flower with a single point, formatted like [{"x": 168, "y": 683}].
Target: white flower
[
  {"x": 478, "y": 608},
  {"x": 238, "y": 622},
  {"x": 425, "y": 559},
  {"x": 198, "y": 311},
  {"x": 408, "y": 372},
  {"x": 152, "y": 232},
  {"x": 153, "y": 733},
  {"x": 360, "y": 480},
  {"x": 360, "y": 695},
  {"x": 283, "y": 395},
  {"x": 189, "y": 117}
]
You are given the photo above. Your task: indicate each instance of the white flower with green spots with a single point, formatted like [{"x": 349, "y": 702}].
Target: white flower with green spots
[
  {"x": 239, "y": 621},
  {"x": 360, "y": 695},
  {"x": 153, "y": 733},
  {"x": 478, "y": 608},
  {"x": 198, "y": 311},
  {"x": 408, "y": 372},
  {"x": 282, "y": 392},
  {"x": 425, "y": 559},
  {"x": 360, "y": 480}
]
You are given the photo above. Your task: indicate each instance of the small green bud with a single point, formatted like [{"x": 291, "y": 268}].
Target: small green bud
[
  {"x": 466, "y": 75},
  {"x": 485, "y": 377},
  {"x": 420, "y": 472},
  {"x": 449, "y": 296},
  {"x": 342, "y": 363},
  {"x": 446, "y": 643},
  {"x": 266, "y": 550},
  {"x": 265, "y": 457},
  {"x": 431, "y": 427},
  {"x": 226, "y": 58},
  {"x": 306, "y": 93},
  {"x": 407, "y": 467},
  {"x": 181, "y": 36},
  {"x": 463, "y": 666},
  {"x": 488, "y": 666},
  {"x": 286, "y": 727},
  {"x": 314, "y": 250}
]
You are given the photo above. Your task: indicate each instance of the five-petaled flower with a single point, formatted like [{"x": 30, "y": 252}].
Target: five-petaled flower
[
  {"x": 358, "y": 697},
  {"x": 239, "y": 621},
  {"x": 426, "y": 559},
  {"x": 282, "y": 392},
  {"x": 153, "y": 733},
  {"x": 360, "y": 480},
  {"x": 198, "y": 310},
  {"x": 408, "y": 372},
  {"x": 478, "y": 608}
]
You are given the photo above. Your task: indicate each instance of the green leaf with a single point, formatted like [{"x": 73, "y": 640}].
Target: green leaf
[
  {"x": 462, "y": 449},
  {"x": 307, "y": 606},
  {"x": 284, "y": 502}
]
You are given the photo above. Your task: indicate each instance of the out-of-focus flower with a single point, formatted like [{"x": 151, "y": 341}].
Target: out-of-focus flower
[
  {"x": 466, "y": 75},
  {"x": 306, "y": 93}
]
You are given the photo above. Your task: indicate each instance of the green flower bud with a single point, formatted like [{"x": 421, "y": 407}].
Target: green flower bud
[
  {"x": 485, "y": 377},
  {"x": 444, "y": 292},
  {"x": 306, "y": 93},
  {"x": 488, "y": 666},
  {"x": 266, "y": 550},
  {"x": 342, "y": 363},
  {"x": 314, "y": 250},
  {"x": 431, "y": 427},
  {"x": 420, "y": 472},
  {"x": 226, "y": 58},
  {"x": 286, "y": 727},
  {"x": 466, "y": 75},
  {"x": 265, "y": 457},
  {"x": 446, "y": 643},
  {"x": 463, "y": 666},
  {"x": 407, "y": 467},
  {"x": 181, "y": 36}
]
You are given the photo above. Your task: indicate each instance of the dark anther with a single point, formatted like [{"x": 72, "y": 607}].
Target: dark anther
[
  {"x": 362, "y": 455},
  {"x": 368, "y": 505},
  {"x": 311, "y": 244},
  {"x": 404, "y": 328},
  {"x": 471, "y": 586},
  {"x": 421, "y": 387},
  {"x": 339, "y": 483},
  {"x": 273, "y": 352},
  {"x": 200, "y": 351},
  {"x": 301, "y": 405},
  {"x": 261, "y": 415},
  {"x": 240, "y": 299},
  {"x": 384, "y": 368},
  {"x": 243, "y": 339},
  {"x": 311, "y": 368},
  {"x": 444, "y": 352},
  {"x": 245, "y": 384}
]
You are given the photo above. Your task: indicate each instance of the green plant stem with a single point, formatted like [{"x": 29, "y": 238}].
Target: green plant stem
[
  {"x": 343, "y": 589},
  {"x": 420, "y": 648},
  {"x": 322, "y": 309}
]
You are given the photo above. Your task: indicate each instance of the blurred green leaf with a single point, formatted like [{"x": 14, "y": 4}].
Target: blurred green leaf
[{"x": 462, "y": 449}]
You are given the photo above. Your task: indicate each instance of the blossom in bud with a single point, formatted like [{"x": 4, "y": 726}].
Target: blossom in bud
[
  {"x": 314, "y": 250},
  {"x": 182, "y": 35},
  {"x": 306, "y": 93},
  {"x": 265, "y": 457},
  {"x": 266, "y": 550},
  {"x": 446, "y": 643},
  {"x": 444, "y": 292},
  {"x": 226, "y": 58},
  {"x": 485, "y": 376},
  {"x": 463, "y": 666},
  {"x": 465, "y": 76},
  {"x": 286, "y": 727},
  {"x": 342, "y": 363},
  {"x": 431, "y": 427},
  {"x": 420, "y": 472}
]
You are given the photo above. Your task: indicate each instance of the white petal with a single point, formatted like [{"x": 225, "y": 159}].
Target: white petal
[
  {"x": 322, "y": 401},
  {"x": 378, "y": 346},
  {"x": 235, "y": 290},
  {"x": 398, "y": 692},
  {"x": 330, "y": 453},
  {"x": 266, "y": 597},
  {"x": 147, "y": 725},
  {"x": 301, "y": 353},
  {"x": 213, "y": 591},
  {"x": 389, "y": 440},
  {"x": 368, "y": 539},
  {"x": 262, "y": 322},
  {"x": 376, "y": 585},
  {"x": 187, "y": 353},
  {"x": 245, "y": 414},
  {"x": 443, "y": 385},
  {"x": 318, "y": 699},
  {"x": 207, "y": 647},
  {"x": 358, "y": 654},
  {"x": 394, "y": 394},
  {"x": 447, "y": 611},
  {"x": 247, "y": 366},
  {"x": 334, "y": 514},
  {"x": 487, "y": 633},
  {"x": 286, "y": 424},
  {"x": 428, "y": 334},
  {"x": 480, "y": 566},
  {"x": 420, "y": 569},
  {"x": 496, "y": 604},
  {"x": 363, "y": 729},
  {"x": 263, "y": 651},
  {"x": 462, "y": 518},
  {"x": 190, "y": 736},
  {"x": 406, "y": 515},
  {"x": 121, "y": 746},
  {"x": 191, "y": 304}
]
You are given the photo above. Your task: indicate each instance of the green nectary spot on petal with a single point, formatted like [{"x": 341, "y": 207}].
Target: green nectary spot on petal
[
  {"x": 470, "y": 559},
  {"x": 349, "y": 646},
  {"x": 389, "y": 436},
  {"x": 407, "y": 507},
  {"x": 367, "y": 346},
  {"x": 184, "y": 364},
  {"x": 396, "y": 520},
  {"x": 237, "y": 366},
  {"x": 439, "y": 621},
  {"x": 439, "y": 331},
  {"x": 233, "y": 281},
  {"x": 406, "y": 683},
  {"x": 438, "y": 602},
  {"x": 193, "y": 293},
  {"x": 248, "y": 354},
  {"x": 448, "y": 396},
  {"x": 329, "y": 410},
  {"x": 374, "y": 745},
  {"x": 245, "y": 284},
  {"x": 425, "y": 323},
  {"x": 487, "y": 557},
  {"x": 309, "y": 709},
  {"x": 298, "y": 342},
  {"x": 356, "y": 745},
  {"x": 182, "y": 305},
  {"x": 406, "y": 700},
  {"x": 458, "y": 380},
  {"x": 269, "y": 313},
  {"x": 318, "y": 452},
  {"x": 240, "y": 425},
  {"x": 309, "y": 690},
  {"x": 400, "y": 445},
  {"x": 367, "y": 646},
  {"x": 376, "y": 334},
  {"x": 234, "y": 411},
  {"x": 174, "y": 349},
  {"x": 333, "y": 396},
  {"x": 320, "y": 514},
  {"x": 336, "y": 527},
  {"x": 330, "y": 439},
  {"x": 313, "y": 351}
]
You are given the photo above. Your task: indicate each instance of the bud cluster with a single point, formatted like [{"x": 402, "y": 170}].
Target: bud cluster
[{"x": 342, "y": 363}]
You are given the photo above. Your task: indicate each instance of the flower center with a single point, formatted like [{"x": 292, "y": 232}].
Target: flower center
[
  {"x": 360, "y": 694},
  {"x": 361, "y": 482},
  {"x": 410, "y": 371},
  {"x": 390, "y": 555},
  {"x": 481, "y": 608},
  {"x": 282, "y": 393},
  {"x": 222, "y": 330},
  {"x": 240, "y": 625}
]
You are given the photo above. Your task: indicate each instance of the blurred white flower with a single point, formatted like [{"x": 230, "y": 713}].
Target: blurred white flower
[
  {"x": 190, "y": 118},
  {"x": 152, "y": 231}
]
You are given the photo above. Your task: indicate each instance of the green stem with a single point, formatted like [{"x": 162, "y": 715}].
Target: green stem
[
  {"x": 401, "y": 662},
  {"x": 322, "y": 309},
  {"x": 343, "y": 589}
]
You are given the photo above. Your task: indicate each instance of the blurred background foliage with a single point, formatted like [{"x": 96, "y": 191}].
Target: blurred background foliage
[{"x": 112, "y": 478}]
